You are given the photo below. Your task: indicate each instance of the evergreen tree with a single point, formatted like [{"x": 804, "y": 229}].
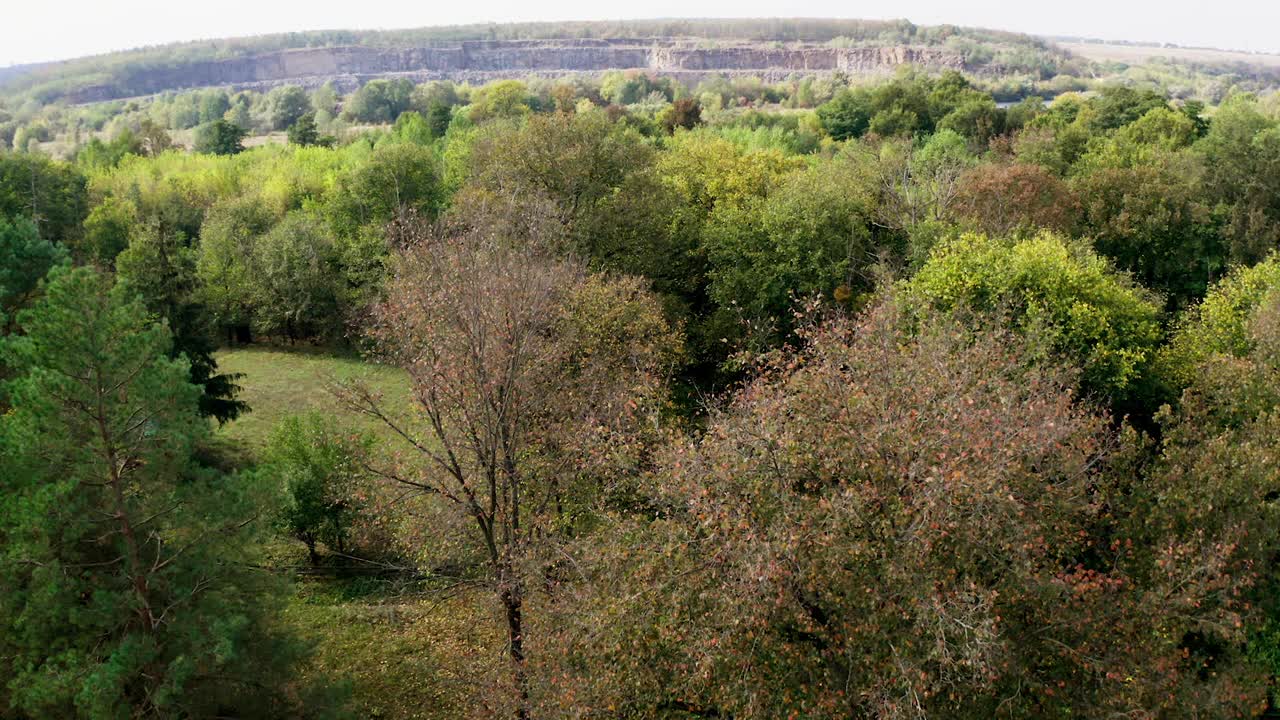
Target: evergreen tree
[
  {"x": 303, "y": 131},
  {"x": 160, "y": 265},
  {"x": 123, "y": 597},
  {"x": 220, "y": 137}
]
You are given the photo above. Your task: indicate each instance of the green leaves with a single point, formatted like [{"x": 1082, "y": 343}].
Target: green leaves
[{"x": 1085, "y": 312}]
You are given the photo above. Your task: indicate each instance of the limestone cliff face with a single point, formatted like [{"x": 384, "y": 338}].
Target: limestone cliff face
[{"x": 478, "y": 61}]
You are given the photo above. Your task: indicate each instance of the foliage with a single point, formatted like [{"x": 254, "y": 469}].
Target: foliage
[
  {"x": 1220, "y": 324},
  {"x": 317, "y": 466},
  {"x": 379, "y": 101},
  {"x": 50, "y": 193},
  {"x": 1015, "y": 198},
  {"x": 160, "y": 266},
  {"x": 110, "y": 529},
  {"x": 1060, "y": 293},
  {"x": 286, "y": 105},
  {"x": 885, "y": 524},
  {"x": 303, "y": 131},
  {"x": 510, "y": 432},
  {"x": 811, "y": 236},
  {"x": 219, "y": 137},
  {"x": 25, "y": 258}
]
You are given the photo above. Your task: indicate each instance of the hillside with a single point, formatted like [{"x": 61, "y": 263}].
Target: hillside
[{"x": 771, "y": 49}]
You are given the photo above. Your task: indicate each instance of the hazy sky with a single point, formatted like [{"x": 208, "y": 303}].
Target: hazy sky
[{"x": 58, "y": 29}]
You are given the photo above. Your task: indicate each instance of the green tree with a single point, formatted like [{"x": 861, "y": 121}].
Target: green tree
[
  {"x": 286, "y": 104},
  {"x": 810, "y": 236},
  {"x": 226, "y": 268},
  {"x": 1080, "y": 310},
  {"x": 439, "y": 116},
  {"x": 566, "y": 165},
  {"x": 295, "y": 279},
  {"x": 1148, "y": 215},
  {"x": 303, "y": 131},
  {"x": 318, "y": 468},
  {"x": 220, "y": 137},
  {"x": 1219, "y": 325},
  {"x": 25, "y": 258},
  {"x": 106, "y": 230},
  {"x": 1242, "y": 174},
  {"x": 847, "y": 115},
  {"x": 123, "y": 593},
  {"x": 500, "y": 99},
  {"x": 379, "y": 101},
  {"x": 398, "y": 180},
  {"x": 214, "y": 104},
  {"x": 159, "y": 264},
  {"x": 52, "y": 194}
]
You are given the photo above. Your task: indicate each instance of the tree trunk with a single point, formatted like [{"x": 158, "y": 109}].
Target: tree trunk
[
  {"x": 513, "y": 603},
  {"x": 311, "y": 553}
]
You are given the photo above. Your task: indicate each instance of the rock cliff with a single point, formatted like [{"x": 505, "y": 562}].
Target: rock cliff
[{"x": 478, "y": 61}]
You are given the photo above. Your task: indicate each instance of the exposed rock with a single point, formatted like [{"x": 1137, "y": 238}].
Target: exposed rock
[{"x": 478, "y": 61}]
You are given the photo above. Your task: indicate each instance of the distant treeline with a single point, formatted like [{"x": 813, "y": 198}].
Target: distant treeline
[{"x": 123, "y": 70}]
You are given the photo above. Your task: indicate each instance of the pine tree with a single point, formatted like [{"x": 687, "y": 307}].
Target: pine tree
[{"x": 123, "y": 593}]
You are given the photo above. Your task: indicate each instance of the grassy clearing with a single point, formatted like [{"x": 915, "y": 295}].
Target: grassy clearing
[
  {"x": 414, "y": 657},
  {"x": 406, "y": 651},
  {"x": 279, "y": 382}
]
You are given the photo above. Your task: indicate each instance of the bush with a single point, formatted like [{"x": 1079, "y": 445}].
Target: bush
[{"x": 319, "y": 468}]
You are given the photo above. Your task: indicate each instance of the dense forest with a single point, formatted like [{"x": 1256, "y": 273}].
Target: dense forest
[{"x": 611, "y": 397}]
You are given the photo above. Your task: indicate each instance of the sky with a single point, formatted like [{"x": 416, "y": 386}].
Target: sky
[{"x": 36, "y": 32}]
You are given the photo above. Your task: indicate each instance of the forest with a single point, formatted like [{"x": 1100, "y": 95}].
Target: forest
[{"x": 615, "y": 398}]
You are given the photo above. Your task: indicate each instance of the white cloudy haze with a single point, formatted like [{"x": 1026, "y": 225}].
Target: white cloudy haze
[{"x": 35, "y": 32}]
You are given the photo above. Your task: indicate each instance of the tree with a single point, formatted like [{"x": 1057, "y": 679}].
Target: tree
[
  {"x": 160, "y": 266},
  {"x": 303, "y": 131},
  {"x": 220, "y": 137},
  {"x": 847, "y": 115},
  {"x": 106, "y": 230},
  {"x": 977, "y": 119},
  {"x": 1204, "y": 512},
  {"x": 521, "y": 365},
  {"x": 286, "y": 105},
  {"x": 572, "y": 164},
  {"x": 214, "y": 104},
  {"x": 1148, "y": 216},
  {"x": 294, "y": 288},
  {"x": 379, "y": 101},
  {"x": 1242, "y": 172},
  {"x": 896, "y": 521},
  {"x": 1118, "y": 105},
  {"x": 1080, "y": 310},
  {"x": 1004, "y": 199},
  {"x": 811, "y": 236},
  {"x": 918, "y": 185},
  {"x": 111, "y": 530},
  {"x": 226, "y": 267},
  {"x": 318, "y": 467},
  {"x": 685, "y": 113},
  {"x": 439, "y": 116},
  {"x": 25, "y": 258},
  {"x": 52, "y": 194},
  {"x": 1220, "y": 325},
  {"x": 398, "y": 181},
  {"x": 155, "y": 139},
  {"x": 500, "y": 99}
]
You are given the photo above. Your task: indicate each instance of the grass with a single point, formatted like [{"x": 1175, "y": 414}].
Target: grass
[
  {"x": 404, "y": 658},
  {"x": 406, "y": 652},
  {"x": 279, "y": 382}
]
